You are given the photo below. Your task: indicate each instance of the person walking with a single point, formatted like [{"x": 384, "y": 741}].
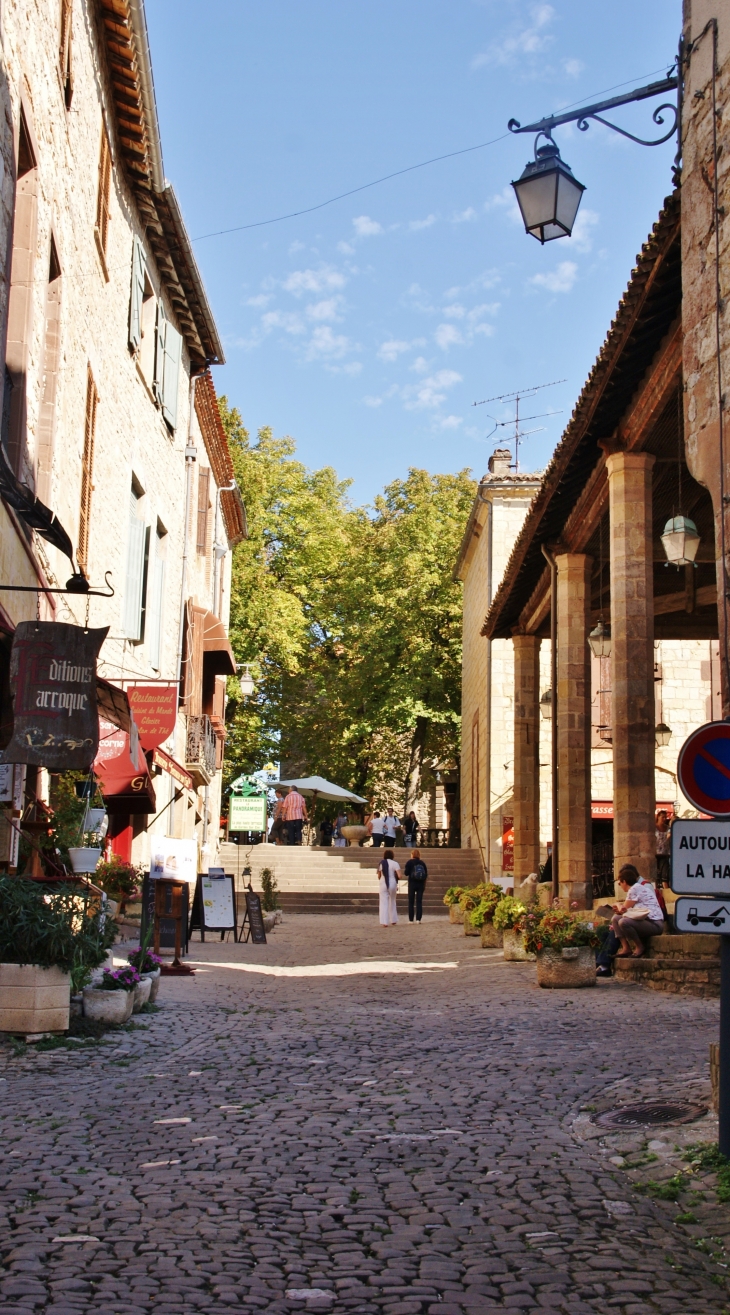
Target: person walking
[
  {"x": 663, "y": 838},
  {"x": 390, "y": 823},
  {"x": 410, "y": 828},
  {"x": 339, "y": 840},
  {"x": 388, "y": 874},
  {"x": 417, "y": 874},
  {"x": 294, "y": 813},
  {"x": 278, "y": 826},
  {"x": 375, "y": 829}
]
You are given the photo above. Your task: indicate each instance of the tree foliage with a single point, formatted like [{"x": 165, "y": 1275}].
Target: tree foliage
[{"x": 350, "y": 619}]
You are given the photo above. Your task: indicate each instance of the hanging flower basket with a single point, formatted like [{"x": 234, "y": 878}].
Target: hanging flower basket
[{"x": 84, "y": 860}]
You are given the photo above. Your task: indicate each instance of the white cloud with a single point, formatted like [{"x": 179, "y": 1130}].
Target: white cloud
[
  {"x": 352, "y": 368},
  {"x": 345, "y": 248},
  {"x": 454, "y": 312},
  {"x": 366, "y": 227},
  {"x": 557, "y": 280},
  {"x": 464, "y": 216},
  {"x": 507, "y": 201},
  {"x": 572, "y": 67},
  {"x": 581, "y": 237},
  {"x": 416, "y": 224},
  {"x": 530, "y": 39},
  {"x": 391, "y": 350},
  {"x": 261, "y": 300},
  {"x": 373, "y": 401},
  {"x": 325, "y": 310},
  {"x": 420, "y": 365},
  {"x": 295, "y": 246},
  {"x": 430, "y": 392},
  {"x": 289, "y": 321},
  {"x": 450, "y": 422},
  {"x": 447, "y": 335},
  {"x": 324, "y": 344},
  {"x": 478, "y": 312},
  {"x": 324, "y": 279}
]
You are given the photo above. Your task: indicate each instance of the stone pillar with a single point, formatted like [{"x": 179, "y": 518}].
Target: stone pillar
[
  {"x": 526, "y": 756},
  {"x": 632, "y": 659},
  {"x": 574, "y": 728}
]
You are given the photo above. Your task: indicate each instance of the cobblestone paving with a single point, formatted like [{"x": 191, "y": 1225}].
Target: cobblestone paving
[{"x": 344, "y": 1131}]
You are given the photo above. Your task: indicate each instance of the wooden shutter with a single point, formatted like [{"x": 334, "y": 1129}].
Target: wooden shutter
[
  {"x": 104, "y": 186},
  {"x": 64, "y": 52},
  {"x": 154, "y": 611},
  {"x": 87, "y": 473},
  {"x": 203, "y": 502},
  {"x": 137, "y": 294},
  {"x": 135, "y": 574},
  {"x": 171, "y": 357}
]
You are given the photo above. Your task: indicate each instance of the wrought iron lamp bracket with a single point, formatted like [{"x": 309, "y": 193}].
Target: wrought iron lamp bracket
[
  {"x": 582, "y": 116},
  {"x": 80, "y": 588}
]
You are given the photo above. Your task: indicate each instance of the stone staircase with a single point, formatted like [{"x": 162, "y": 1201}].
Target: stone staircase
[
  {"x": 344, "y": 880},
  {"x": 684, "y": 964}
]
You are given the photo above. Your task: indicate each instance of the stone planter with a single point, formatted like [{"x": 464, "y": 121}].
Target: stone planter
[
  {"x": 573, "y": 966},
  {"x": 455, "y": 913},
  {"x": 33, "y": 999},
  {"x": 141, "y": 993},
  {"x": 469, "y": 930},
  {"x": 108, "y": 1006},
  {"x": 84, "y": 860},
  {"x": 154, "y": 983},
  {"x": 77, "y": 1006},
  {"x": 491, "y": 938},
  {"x": 269, "y": 920},
  {"x": 514, "y": 946},
  {"x": 355, "y": 834}
]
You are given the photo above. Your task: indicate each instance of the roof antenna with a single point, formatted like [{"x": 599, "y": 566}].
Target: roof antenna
[{"x": 517, "y": 397}]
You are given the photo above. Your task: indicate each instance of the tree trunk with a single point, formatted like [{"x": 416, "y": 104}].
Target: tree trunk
[{"x": 415, "y": 764}]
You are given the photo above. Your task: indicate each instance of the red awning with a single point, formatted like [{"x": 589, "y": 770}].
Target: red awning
[
  {"x": 125, "y": 790},
  {"x": 167, "y": 764},
  {"x": 217, "y": 652}
]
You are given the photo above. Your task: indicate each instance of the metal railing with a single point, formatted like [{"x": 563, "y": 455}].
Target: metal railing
[{"x": 200, "y": 748}]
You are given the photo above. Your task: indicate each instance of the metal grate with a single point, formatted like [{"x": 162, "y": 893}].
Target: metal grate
[{"x": 652, "y": 1114}]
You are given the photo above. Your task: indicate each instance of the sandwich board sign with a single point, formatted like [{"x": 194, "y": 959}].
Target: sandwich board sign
[
  {"x": 701, "y": 857},
  {"x": 214, "y": 906},
  {"x": 711, "y": 916},
  {"x": 703, "y": 769}
]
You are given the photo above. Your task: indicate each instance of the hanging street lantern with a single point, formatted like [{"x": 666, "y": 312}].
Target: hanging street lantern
[
  {"x": 546, "y": 705},
  {"x": 548, "y": 195},
  {"x": 662, "y": 735},
  {"x": 680, "y": 541},
  {"x": 599, "y": 640},
  {"x": 247, "y": 682}
]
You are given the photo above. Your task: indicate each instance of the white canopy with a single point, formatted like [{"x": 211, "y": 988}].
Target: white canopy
[{"x": 316, "y": 785}]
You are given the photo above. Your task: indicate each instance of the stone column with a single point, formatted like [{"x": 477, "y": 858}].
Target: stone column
[
  {"x": 574, "y": 728},
  {"x": 632, "y": 659},
  {"x": 526, "y": 756}
]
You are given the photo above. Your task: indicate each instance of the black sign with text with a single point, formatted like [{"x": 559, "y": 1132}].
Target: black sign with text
[
  {"x": 253, "y": 922},
  {"x": 53, "y": 688}
]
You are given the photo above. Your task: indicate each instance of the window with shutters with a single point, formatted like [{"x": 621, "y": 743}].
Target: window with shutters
[
  {"x": 64, "y": 52},
  {"x": 135, "y": 590},
  {"x": 51, "y": 354},
  {"x": 20, "y": 298},
  {"x": 87, "y": 473},
  {"x": 203, "y": 509},
  {"x": 168, "y": 354},
  {"x": 157, "y": 594},
  {"x": 101, "y": 231}
]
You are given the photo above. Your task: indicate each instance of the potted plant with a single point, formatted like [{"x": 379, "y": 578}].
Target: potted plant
[
  {"x": 51, "y": 940},
  {"x": 451, "y": 900},
  {"x": 508, "y": 917},
  {"x": 112, "y": 1001},
  {"x": 479, "y": 911},
  {"x": 85, "y": 857},
  {"x": 564, "y": 944},
  {"x": 119, "y": 879},
  {"x": 148, "y": 965}
]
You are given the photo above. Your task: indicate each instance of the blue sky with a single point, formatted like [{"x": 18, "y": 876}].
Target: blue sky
[{"x": 367, "y": 329}]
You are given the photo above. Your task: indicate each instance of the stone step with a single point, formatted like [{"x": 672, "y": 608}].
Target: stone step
[
  {"x": 335, "y": 902},
  {"x": 685, "y": 945},
  {"x": 676, "y": 976}
]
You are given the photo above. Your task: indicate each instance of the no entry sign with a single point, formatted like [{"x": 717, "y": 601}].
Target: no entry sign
[{"x": 703, "y": 769}]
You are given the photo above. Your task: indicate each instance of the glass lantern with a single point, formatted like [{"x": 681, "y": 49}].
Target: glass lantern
[
  {"x": 680, "y": 541},
  {"x": 546, "y": 705},
  {"x": 548, "y": 195},
  {"x": 599, "y": 640},
  {"x": 662, "y": 735}
]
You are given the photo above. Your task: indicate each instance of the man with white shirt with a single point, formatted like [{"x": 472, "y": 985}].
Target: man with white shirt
[
  {"x": 390, "y": 822},
  {"x": 375, "y": 829}
]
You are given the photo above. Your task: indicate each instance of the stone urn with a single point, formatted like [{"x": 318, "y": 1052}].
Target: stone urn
[
  {"x": 575, "y": 965},
  {"x": 33, "y": 999},
  {"x": 108, "y": 1006},
  {"x": 355, "y": 834},
  {"x": 154, "y": 983},
  {"x": 514, "y": 946},
  {"x": 141, "y": 993},
  {"x": 455, "y": 913},
  {"x": 469, "y": 928},
  {"x": 491, "y": 938}
]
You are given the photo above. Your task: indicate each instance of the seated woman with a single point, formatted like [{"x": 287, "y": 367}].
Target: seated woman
[{"x": 639, "y": 917}]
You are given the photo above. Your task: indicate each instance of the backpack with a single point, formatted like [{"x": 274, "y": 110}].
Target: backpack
[{"x": 418, "y": 871}]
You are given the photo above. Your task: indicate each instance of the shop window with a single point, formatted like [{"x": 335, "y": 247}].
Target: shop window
[
  {"x": 87, "y": 472},
  {"x": 103, "y": 194},
  {"x": 65, "y": 61}
]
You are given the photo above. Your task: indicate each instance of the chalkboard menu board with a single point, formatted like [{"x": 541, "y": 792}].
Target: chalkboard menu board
[
  {"x": 167, "y": 925},
  {"x": 214, "y": 906},
  {"x": 253, "y": 920}
]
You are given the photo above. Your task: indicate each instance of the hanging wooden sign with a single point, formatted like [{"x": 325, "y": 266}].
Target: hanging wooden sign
[
  {"x": 155, "y": 711},
  {"x": 53, "y": 689}
]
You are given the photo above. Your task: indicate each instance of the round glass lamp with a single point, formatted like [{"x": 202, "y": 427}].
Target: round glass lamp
[
  {"x": 548, "y": 195},
  {"x": 599, "y": 640},
  {"x": 680, "y": 541}
]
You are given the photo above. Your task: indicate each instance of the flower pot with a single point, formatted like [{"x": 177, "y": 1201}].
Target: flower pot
[
  {"x": 33, "y": 999},
  {"x": 84, "y": 860},
  {"x": 269, "y": 920},
  {"x": 469, "y": 929},
  {"x": 455, "y": 913},
  {"x": 141, "y": 993},
  {"x": 108, "y": 1006},
  {"x": 354, "y": 833},
  {"x": 514, "y": 946},
  {"x": 573, "y": 966},
  {"x": 491, "y": 938},
  {"x": 154, "y": 983}
]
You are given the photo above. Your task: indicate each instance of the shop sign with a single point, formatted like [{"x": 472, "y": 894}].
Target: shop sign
[
  {"x": 154, "y": 708},
  {"x": 53, "y": 689},
  {"x": 174, "y": 859},
  {"x": 122, "y": 770},
  {"x": 167, "y": 764},
  {"x": 247, "y": 813}
]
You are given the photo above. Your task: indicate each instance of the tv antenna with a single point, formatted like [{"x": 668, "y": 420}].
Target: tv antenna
[{"x": 519, "y": 396}]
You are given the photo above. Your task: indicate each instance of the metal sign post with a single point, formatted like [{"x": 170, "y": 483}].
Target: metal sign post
[{"x": 700, "y": 868}]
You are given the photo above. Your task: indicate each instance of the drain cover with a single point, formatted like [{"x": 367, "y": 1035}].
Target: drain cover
[{"x": 651, "y": 1114}]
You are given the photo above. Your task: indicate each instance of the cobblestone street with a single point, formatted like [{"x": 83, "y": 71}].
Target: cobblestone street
[{"x": 362, "y": 1120}]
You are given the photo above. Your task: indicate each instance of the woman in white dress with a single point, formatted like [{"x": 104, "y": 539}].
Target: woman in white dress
[{"x": 388, "y": 874}]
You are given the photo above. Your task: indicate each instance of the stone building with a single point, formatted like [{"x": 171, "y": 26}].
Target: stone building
[{"x": 108, "y": 413}]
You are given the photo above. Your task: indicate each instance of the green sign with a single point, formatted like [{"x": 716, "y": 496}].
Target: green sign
[{"x": 247, "y": 813}]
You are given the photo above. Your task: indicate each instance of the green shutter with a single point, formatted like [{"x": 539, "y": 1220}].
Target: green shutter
[
  {"x": 160, "y": 336},
  {"x": 135, "y": 575},
  {"x": 171, "y": 373},
  {"x": 137, "y": 296}
]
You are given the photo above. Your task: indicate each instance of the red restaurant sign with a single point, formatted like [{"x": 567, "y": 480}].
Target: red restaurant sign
[{"x": 154, "y": 708}]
